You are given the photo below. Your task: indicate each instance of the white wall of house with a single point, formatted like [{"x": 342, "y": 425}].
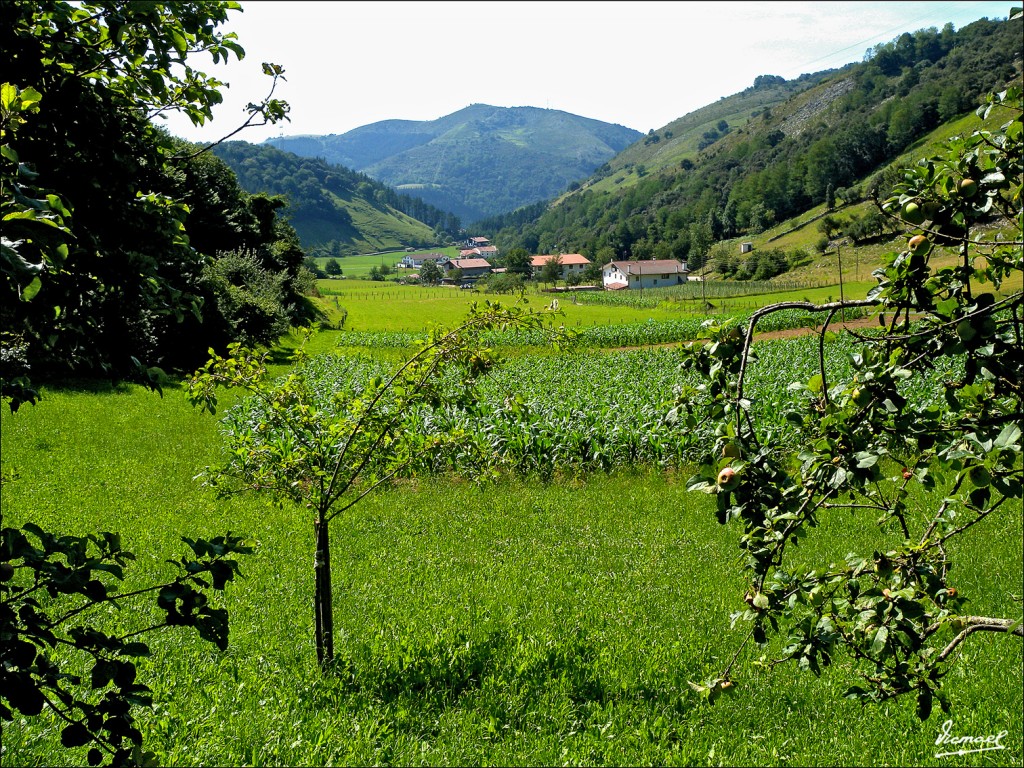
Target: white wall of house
[{"x": 611, "y": 274}]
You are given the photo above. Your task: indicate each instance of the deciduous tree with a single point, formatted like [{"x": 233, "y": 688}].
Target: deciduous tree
[{"x": 894, "y": 609}]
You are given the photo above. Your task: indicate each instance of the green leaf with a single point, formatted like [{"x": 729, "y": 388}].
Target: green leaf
[
  {"x": 880, "y": 639},
  {"x": 31, "y": 289},
  {"x": 1009, "y": 437}
]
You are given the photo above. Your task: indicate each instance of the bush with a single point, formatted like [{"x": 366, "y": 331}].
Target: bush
[{"x": 249, "y": 298}]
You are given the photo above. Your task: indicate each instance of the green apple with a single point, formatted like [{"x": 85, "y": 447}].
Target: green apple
[{"x": 913, "y": 213}]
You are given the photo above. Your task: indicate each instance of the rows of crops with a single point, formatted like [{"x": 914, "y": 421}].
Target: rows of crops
[
  {"x": 619, "y": 335},
  {"x": 693, "y": 292},
  {"x": 588, "y": 410}
]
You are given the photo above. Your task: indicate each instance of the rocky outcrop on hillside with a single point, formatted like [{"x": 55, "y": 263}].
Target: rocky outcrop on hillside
[{"x": 796, "y": 123}]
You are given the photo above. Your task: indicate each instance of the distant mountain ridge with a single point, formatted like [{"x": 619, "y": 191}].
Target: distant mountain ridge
[{"x": 479, "y": 161}]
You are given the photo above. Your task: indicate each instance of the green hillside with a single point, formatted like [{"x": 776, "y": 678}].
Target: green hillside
[
  {"x": 832, "y": 137},
  {"x": 684, "y": 138},
  {"x": 479, "y": 161},
  {"x": 337, "y": 207}
]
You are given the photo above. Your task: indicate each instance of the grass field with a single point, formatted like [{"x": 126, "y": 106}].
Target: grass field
[
  {"x": 359, "y": 266},
  {"x": 522, "y": 623}
]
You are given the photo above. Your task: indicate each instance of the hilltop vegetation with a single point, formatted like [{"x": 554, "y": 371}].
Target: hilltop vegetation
[
  {"x": 477, "y": 162},
  {"x": 335, "y": 206},
  {"x": 829, "y": 141}
]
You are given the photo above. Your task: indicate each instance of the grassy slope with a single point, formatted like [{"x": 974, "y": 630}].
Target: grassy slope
[
  {"x": 801, "y": 232},
  {"x": 737, "y": 109}
]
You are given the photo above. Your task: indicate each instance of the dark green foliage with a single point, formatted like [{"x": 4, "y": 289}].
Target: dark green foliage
[
  {"x": 251, "y": 301},
  {"x": 51, "y": 590},
  {"x": 113, "y": 295},
  {"x": 430, "y": 273}
]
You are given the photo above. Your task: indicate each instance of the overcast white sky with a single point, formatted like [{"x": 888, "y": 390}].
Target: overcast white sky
[{"x": 639, "y": 64}]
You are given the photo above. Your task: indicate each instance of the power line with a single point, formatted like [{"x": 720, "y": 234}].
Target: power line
[{"x": 931, "y": 14}]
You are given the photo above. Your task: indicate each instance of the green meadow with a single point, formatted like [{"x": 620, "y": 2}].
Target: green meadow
[{"x": 523, "y": 622}]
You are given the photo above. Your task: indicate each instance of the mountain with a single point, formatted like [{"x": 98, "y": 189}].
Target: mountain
[
  {"x": 477, "y": 162},
  {"x": 725, "y": 172},
  {"x": 332, "y": 205}
]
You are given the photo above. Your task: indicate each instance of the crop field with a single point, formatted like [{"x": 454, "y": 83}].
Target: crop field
[{"x": 554, "y": 617}]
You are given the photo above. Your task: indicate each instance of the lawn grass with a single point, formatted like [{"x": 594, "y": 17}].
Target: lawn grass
[
  {"x": 522, "y": 623},
  {"x": 384, "y": 306},
  {"x": 359, "y": 266}
]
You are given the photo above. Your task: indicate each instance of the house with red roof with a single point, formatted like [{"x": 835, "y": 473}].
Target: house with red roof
[
  {"x": 654, "y": 273},
  {"x": 570, "y": 262}
]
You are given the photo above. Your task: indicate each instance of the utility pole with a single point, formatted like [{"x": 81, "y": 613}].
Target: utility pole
[{"x": 842, "y": 298}]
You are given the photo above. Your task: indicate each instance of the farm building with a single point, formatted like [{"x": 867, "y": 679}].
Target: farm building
[
  {"x": 656, "y": 273},
  {"x": 471, "y": 268},
  {"x": 417, "y": 260},
  {"x": 571, "y": 263}
]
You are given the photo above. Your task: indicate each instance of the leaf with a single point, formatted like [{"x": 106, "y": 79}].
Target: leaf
[
  {"x": 924, "y": 703},
  {"x": 880, "y": 639},
  {"x": 31, "y": 289},
  {"x": 1008, "y": 437},
  {"x": 75, "y": 735}
]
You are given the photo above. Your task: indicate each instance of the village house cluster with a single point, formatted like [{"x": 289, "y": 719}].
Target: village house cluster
[{"x": 473, "y": 264}]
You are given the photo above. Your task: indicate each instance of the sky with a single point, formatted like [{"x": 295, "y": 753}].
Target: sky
[{"x": 638, "y": 64}]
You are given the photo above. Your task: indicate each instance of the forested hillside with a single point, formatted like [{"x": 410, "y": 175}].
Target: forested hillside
[
  {"x": 831, "y": 141},
  {"x": 333, "y": 206},
  {"x": 476, "y": 162}
]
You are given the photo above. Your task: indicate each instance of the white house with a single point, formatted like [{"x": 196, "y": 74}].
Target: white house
[
  {"x": 480, "y": 252},
  {"x": 417, "y": 260},
  {"x": 571, "y": 263},
  {"x": 657, "y": 273}
]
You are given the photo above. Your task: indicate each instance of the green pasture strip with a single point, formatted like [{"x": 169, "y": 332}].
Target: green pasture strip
[
  {"x": 523, "y": 623},
  {"x": 729, "y": 297},
  {"x": 358, "y": 266},
  {"x": 386, "y": 306}
]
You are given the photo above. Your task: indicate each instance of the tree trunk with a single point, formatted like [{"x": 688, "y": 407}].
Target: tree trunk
[{"x": 323, "y": 604}]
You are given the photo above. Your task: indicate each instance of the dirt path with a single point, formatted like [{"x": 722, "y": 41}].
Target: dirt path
[{"x": 789, "y": 333}]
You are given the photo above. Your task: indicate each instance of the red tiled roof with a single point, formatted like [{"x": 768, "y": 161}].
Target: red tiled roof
[
  {"x": 616, "y": 286},
  {"x": 567, "y": 259},
  {"x": 470, "y": 263}
]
